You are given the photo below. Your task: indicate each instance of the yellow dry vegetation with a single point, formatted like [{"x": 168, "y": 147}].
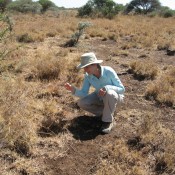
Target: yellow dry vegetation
[{"x": 32, "y": 96}]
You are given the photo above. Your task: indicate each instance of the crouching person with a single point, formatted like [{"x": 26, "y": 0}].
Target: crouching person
[{"x": 109, "y": 90}]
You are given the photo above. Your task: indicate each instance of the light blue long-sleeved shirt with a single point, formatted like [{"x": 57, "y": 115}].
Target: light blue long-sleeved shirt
[{"x": 108, "y": 80}]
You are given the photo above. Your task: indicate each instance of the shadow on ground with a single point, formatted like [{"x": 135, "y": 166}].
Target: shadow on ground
[{"x": 85, "y": 127}]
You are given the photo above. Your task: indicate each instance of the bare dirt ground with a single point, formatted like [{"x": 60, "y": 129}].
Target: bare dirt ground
[{"x": 83, "y": 150}]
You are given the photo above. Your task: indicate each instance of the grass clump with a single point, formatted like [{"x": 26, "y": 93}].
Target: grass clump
[
  {"x": 143, "y": 70},
  {"x": 163, "y": 89},
  {"x": 17, "y": 128},
  {"x": 46, "y": 67},
  {"x": 25, "y": 38}
]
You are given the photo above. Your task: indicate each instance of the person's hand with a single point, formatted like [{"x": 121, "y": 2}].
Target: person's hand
[
  {"x": 68, "y": 87},
  {"x": 102, "y": 92}
]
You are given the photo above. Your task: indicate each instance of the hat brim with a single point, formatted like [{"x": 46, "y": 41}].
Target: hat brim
[{"x": 80, "y": 66}]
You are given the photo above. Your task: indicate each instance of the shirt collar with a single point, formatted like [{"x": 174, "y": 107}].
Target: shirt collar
[{"x": 102, "y": 72}]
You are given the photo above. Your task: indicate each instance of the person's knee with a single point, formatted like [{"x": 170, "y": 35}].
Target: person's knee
[{"x": 112, "y": 94}]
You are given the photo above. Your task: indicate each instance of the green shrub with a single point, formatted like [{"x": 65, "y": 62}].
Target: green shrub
[
  {"x": 76, "y": 36},
  {"x": 167, "y": 13},
  {"x": 3, "y": 5},
  {"x": 86, "y": 10},
  {"x": 46, "y": 4},
  {"x": 100, "y": 8},
  {"x": 25, "y": 6}
]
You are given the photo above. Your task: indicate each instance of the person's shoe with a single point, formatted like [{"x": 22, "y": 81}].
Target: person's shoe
[{"x": 107, "y": 127}]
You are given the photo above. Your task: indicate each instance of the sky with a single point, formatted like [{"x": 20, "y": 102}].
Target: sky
[{"x": 80, "y": 3}]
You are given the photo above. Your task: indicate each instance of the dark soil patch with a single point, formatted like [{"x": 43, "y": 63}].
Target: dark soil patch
[
  {"x": 51, "y": 128},
  {"x": 135, "y": 143},
  {"x": 160, "y": 167},
  {"x": 85, "y": 127}
]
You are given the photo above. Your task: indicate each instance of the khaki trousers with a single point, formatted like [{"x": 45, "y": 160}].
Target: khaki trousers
[{"x": 104, "y": 106}]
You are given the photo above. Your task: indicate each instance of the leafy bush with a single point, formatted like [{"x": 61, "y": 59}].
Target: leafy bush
[
  {"x": 111, "y": 9},
  {"x": 86, "y": 10},
  {"x": 3, "y": 4},
  {"x": 25, "y": 6},
  {"x": 75, "y": 37},
  {"x": 167, "y": 13},
  {"x": 46, "y": 4},
  {"x": 100, "y": 8}
]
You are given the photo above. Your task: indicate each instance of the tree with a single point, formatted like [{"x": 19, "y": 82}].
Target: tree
[
  {"x": 46, "y": 4},
  {"x": 143, "y": 6},
  {"x": 104, "y": 8},
  {"x": 110, "y": 9},
  {"x": 100, "y": 3},
  {"x": 3, "y": 4},
  {"x": 86, "y": 10}
]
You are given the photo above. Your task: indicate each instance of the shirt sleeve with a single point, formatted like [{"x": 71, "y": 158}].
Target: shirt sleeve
[
  {"x": 85, "y": 88},
  {"x": 116, "y": 83}
]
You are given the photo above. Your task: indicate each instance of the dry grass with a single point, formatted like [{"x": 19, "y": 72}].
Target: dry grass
[
  {"x": 154, "y": 33},
  {"x": 151, "y": 33},
  {"x": 47, "y": 68},
  {"x": 144, "y": 69},
  {"x": 163, "y": 89},
  {"x": 151, "y": 147},
  {"x": 16, "y": 113},
  {"x": 34, "y": 26},
  {"x": 32, "y": 113}
]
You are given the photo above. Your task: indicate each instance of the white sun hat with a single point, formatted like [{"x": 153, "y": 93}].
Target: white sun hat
[{"x": 87, "y": 59}]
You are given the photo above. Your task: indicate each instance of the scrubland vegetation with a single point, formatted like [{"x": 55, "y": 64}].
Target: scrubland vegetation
[{"x": 39, "y": 126}]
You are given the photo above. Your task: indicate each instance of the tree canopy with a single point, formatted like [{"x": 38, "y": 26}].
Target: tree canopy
[
  {"x": 3, "y": 4},
  {"x": 101, "y": 8},
  {"x": 143, "y": 6}
]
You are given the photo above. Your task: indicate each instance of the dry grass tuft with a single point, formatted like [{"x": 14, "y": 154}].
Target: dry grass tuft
[
  {"x": 46, "y": 67},
  {"x": 143, "y": 69},
  {"x": 17, "y": 128},
  {"x": 160, "y": 141},
  {"x": 122, "y": 161},
  {"x": 149, "y": 152},
  {"x": 35, "y": 115},
  {"x": 163, "y": 89}
]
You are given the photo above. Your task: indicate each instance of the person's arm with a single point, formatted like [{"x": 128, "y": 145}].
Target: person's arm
[
  {"x": 117, "y": 84},
  {"x": 69, "y": 87},
  {"x": 77, "y": 92},
  {"x": 85, "y": 88}
]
